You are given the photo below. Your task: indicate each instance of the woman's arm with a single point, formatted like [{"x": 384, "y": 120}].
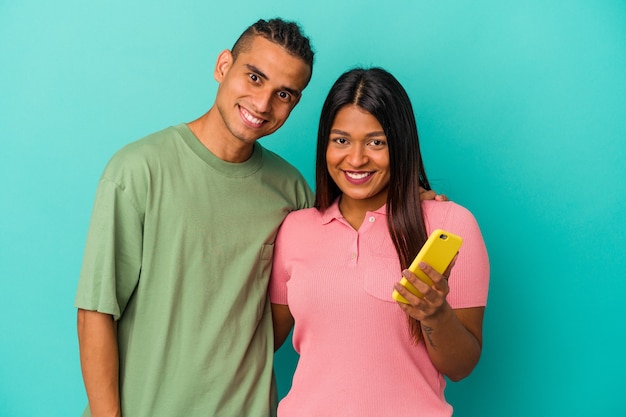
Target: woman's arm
[
  {"x": 283, "y": 323},
  {"x": 453, "y": 338}
]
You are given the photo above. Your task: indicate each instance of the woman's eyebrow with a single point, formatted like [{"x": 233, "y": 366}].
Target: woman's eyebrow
[{"x": 369, "y": 135}]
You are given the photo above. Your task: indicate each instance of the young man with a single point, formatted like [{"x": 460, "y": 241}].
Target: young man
[{"x": 173, "y": 316}]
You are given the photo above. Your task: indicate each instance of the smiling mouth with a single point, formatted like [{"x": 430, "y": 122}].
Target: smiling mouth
[
  {"x": 253, "y": 121},
  {"x": 358, "y": 175}
]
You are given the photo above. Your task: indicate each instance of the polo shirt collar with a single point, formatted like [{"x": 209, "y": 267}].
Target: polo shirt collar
[{"x": 333, "y": 212}]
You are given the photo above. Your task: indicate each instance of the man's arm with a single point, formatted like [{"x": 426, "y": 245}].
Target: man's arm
[{"x": 97, "y": 339}]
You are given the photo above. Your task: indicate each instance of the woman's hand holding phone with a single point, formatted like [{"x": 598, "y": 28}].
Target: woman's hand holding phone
[
  {"x": 424, "y": 285},
  {"x": 433, "y": 297}
]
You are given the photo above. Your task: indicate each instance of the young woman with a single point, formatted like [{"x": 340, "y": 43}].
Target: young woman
[{"x": 336, "y": 266}]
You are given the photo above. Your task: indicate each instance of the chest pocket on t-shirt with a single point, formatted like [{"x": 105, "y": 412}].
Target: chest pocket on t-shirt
[{"x": 382, "y": 274}]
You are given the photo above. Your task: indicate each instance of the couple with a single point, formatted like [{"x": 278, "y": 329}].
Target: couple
[{"x": 173, "y": 316}]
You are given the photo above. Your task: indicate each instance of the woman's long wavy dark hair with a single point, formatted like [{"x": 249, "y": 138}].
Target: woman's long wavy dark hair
[{"x": 379, "y": 93}]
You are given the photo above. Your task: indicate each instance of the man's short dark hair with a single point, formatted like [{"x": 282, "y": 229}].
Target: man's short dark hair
[{"x": 287, "y": 34}]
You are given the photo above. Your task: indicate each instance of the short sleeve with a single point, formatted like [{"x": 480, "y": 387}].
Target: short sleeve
[
  {"x": 112, "y": 259},
  {"x": 469, "y": 279}
]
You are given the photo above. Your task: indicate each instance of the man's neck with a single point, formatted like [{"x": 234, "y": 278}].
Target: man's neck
[{"x": 212, "y": 133}]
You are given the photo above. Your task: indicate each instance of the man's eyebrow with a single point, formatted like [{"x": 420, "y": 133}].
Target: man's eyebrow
[
  {"x": 261, "y": 74},
  {"x": 257, "y": 71}
]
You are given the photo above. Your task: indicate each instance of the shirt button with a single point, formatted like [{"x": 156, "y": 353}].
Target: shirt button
[
  {"x": 372, "y": 219},
  {"x": 353, "y": 256}
]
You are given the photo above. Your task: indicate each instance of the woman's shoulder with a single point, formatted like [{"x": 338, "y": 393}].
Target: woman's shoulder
[
  {"x": 446, "y": 208},
  {"x": 447, "y": 214},
  {"x": 302, "y": 215},
  {"x": 301, "y": 226}
]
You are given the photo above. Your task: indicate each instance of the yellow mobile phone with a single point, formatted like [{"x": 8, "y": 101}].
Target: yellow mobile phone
[{"x": 438, "y": 252}]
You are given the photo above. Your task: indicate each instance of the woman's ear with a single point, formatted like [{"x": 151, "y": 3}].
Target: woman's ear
[{"x": 223, "y": 64}]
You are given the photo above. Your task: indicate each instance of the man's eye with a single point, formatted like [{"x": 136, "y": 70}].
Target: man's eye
[
  {"x": 284, "y": 95},
  {"x": 254, "y": 77}
]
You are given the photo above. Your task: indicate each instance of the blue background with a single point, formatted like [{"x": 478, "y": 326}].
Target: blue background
[{"x": 521, "y": 108}]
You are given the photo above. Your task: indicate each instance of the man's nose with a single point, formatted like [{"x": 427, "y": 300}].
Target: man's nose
[{"x": 263, "y": 101}]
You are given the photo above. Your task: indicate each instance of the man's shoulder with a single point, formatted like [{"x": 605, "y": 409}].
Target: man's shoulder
[
  {"x": 271, "y": 160},
  {"x": 281, "y": 173},
  {"x": 150, "y": 144},
  {"x": 151, "y": 147}
]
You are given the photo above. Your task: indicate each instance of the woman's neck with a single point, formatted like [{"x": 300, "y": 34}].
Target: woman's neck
[{"x": 354, "y": 210}]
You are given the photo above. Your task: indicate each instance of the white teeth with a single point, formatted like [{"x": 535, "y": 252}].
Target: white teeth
[
  {"x": 251, "y": 118},
  {"x": 356, "y": 175}
]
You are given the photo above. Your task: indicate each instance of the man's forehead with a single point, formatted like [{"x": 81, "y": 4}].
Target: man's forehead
[{"x": 260, "y": 45}]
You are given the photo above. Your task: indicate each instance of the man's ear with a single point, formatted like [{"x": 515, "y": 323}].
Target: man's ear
[{"x": 223, "y": 64}]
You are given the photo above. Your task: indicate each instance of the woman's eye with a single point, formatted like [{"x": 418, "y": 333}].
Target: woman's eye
[{"x": 340, "y": 141}]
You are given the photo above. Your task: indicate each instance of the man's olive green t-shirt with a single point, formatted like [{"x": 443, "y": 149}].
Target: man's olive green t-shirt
[{"x": 179, "y": 251}]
